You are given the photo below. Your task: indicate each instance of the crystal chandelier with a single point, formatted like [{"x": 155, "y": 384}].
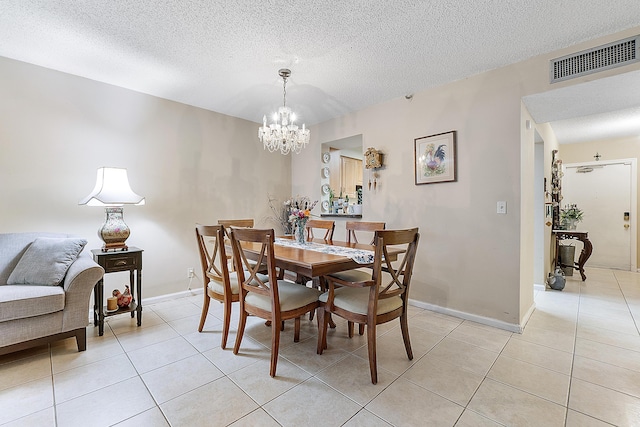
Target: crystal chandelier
[{"x": 283, "y": 134}]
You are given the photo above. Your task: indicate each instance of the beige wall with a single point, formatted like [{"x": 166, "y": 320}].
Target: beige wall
[
  {"x": 471, "y": 261},
  {"x": 611, "y": 149},
  {"x": 550, "y": 144},
  {"x": 192, "y": 165}
]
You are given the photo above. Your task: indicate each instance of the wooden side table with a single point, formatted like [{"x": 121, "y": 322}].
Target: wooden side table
[
  {"x": 587, "y": 249},
  {"x": 126, "y": 260}
]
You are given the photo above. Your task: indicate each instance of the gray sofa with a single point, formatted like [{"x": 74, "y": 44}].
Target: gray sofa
[{"x": 45, "y": 287}]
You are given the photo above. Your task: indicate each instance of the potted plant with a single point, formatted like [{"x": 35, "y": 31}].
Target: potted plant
[{"x": 570, "y": 216}]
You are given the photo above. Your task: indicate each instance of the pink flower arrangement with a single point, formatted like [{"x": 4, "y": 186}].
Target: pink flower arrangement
[{"x": 299, "y": 207}]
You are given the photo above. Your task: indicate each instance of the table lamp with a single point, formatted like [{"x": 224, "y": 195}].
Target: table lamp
[{"x": 112, "y": 191}]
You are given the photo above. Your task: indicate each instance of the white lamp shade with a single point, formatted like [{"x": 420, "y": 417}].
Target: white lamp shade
[{"x": 112, "y": 189}]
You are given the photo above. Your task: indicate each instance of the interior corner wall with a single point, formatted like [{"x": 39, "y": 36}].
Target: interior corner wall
[
  {"x": 527, "y": 216},
  {"x": 550, "y": 144},
  {"x": 192, "y": 165}
]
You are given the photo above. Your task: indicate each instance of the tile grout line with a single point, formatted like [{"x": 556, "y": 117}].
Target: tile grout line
[
  {"x": 573, "y": 354},
  {"x": 624, "y": 296}
]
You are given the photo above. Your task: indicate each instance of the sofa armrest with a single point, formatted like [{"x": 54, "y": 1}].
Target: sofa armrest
[
  {"x": 78, "y": 284},
  {"x": 83, "y": 272}
]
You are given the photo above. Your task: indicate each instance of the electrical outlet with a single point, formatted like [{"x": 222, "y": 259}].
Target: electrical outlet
[
  {"x": 190, "y": 273},
  {"x": 502, "y": 207}
]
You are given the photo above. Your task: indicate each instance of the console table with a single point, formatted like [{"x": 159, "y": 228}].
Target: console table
[
  {"x": 584, "y": 254},
  {"x": 126, "y": 260}
]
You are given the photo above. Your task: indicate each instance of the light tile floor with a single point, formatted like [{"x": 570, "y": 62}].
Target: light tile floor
[{"x": 576, "y": 364}]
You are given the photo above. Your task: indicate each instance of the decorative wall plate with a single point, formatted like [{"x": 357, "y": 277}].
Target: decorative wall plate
[
  {"x": 326, "y": 189},
  {"x": 325, "y": 172},
  {"x": 326, "y": 157},
  {"x": 325, "y": 205}
]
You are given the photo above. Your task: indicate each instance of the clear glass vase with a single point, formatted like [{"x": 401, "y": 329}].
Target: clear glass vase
[{"x": 300, "y": 230}]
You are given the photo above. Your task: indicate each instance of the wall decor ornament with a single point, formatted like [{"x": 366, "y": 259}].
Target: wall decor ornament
[
  {"x": 373, "y": 160},
  {"x": 556, "y": 189},
  {"x": 435, "y": 158}
]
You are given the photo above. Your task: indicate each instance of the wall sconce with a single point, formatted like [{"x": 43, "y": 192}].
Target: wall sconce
[{"x": 112, "y": 191}]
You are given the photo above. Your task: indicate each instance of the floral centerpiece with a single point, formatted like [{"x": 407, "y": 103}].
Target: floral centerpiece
[
  {"x": 299, "y": 212},
  {"x": 570, "y": 216},
  {"x": 283, "y": 212}
]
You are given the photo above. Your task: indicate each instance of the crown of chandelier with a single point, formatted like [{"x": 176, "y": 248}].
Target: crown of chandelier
[{"x": 283, "y": 134}]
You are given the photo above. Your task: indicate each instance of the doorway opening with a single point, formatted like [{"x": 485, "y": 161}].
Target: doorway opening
[{"x": 606, "y": 191}]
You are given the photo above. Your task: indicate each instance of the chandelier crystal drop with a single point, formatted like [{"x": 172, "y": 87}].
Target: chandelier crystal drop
[{"x": 283, "y": 134}]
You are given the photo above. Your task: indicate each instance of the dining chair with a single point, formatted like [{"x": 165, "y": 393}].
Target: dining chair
[
  {"x": 353, "y": 226},
  {"x": 219, "y": 284},
  {"x": 326, "y": 225},
  {"x": 275, "y": 300},
  {"x": 380, "y": 299},
  {"x": 248, "y": 223}
]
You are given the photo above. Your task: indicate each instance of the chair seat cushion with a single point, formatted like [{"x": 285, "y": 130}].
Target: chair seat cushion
[
  {"x": 292, "y": 296},
  {"x": 218, "y": 288},
  {"x": 356, "y": 300},
  {"x": 21, "y": 301},
  {"x": 353, "y": 275}
]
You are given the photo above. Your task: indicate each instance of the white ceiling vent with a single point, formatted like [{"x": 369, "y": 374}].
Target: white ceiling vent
[{"x": 611, "y": 55}]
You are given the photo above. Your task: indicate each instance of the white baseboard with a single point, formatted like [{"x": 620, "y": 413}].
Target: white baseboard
[
  {"x": 511, "y": 327},
  {"x": 171, "y": 297},
  {"x": 527, "y": 316},
  {"x": 537, "y": 287}
]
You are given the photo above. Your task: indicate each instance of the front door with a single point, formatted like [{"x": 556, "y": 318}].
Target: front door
[{"x": 603, "y": 191}]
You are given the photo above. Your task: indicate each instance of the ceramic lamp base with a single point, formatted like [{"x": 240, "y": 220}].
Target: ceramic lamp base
[{"x": 114, "y": 232}]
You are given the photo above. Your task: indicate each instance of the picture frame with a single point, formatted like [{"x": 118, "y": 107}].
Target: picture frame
[
  {"x": 435, "y": 158},
  {"x": 548, "y": 210}
]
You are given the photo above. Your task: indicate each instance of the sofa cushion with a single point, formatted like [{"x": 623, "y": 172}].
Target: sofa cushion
[
  {"x": 46, "y": 261},
  {"x": 13, "y": 246},
  {"x": 19, "y": 301}
]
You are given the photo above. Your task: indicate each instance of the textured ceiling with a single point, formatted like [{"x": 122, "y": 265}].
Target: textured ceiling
[
  {"x": 344, "y": 55},
  {"x": 606, "y": 108}
]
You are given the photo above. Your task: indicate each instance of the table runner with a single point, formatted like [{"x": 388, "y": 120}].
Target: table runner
[{"x": 358, "y": 255}]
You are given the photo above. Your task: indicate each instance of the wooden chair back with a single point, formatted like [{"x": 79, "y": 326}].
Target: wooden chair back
[
  {"x": 326, "y": 225},
  {"x": 211, "y": 249},
  {"x": 397, "y": 279},
  {"x": 353, "y": 226},
  {"x": 215, "y": 270},
  {"x": 247, "y": 223},
  {"x": 248, "y": 269}
]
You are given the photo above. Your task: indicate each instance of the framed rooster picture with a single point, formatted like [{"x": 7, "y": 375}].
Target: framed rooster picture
[{"x": 435, "y": 158}]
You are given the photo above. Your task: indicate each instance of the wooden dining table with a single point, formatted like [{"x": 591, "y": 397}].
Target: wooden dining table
[{"x": 311, "y": 263}]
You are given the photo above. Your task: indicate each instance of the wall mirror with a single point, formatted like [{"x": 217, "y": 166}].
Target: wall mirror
[{"x": 342, "y": 172}]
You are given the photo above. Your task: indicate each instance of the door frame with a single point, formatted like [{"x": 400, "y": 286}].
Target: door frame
[{"x": 634, "y": 199}]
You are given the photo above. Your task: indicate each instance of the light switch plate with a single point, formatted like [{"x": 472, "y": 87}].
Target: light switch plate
[{"x": 502, "y": 207}]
